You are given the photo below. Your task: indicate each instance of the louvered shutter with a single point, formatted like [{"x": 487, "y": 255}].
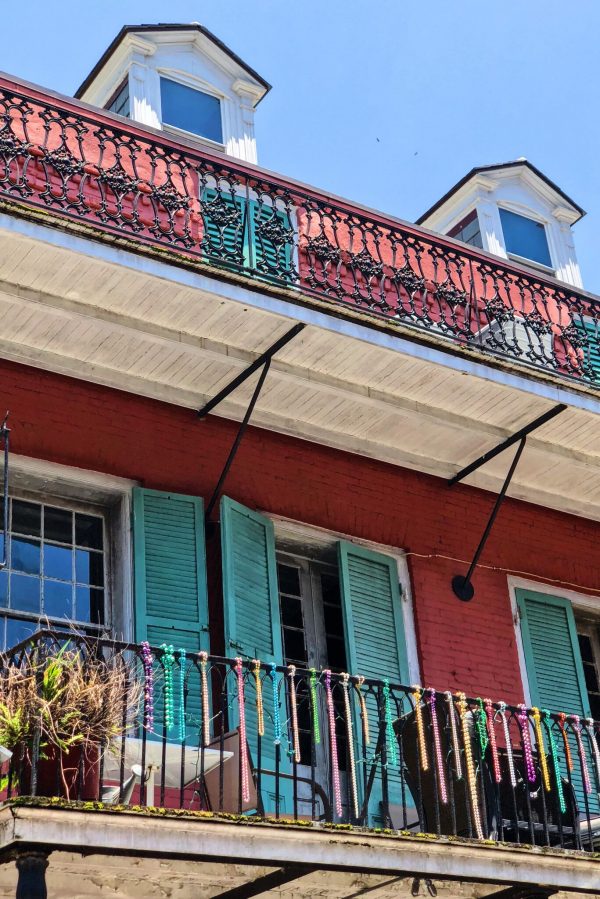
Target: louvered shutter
[
  {"x": 271, "y": 258},
  {"x": 375, "y": 641},
  {"x": 253, "y": 629},
  {"x": 225, "y": 223},
  {"x": 171, "y": 603},
  {"x": 590, "y": 331},
  {"x": 554, "y": 667}
]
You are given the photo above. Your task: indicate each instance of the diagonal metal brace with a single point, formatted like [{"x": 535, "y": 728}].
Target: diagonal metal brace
[
  {"x": 244, "y": 375},
  {"x": 5, "y": 437}
]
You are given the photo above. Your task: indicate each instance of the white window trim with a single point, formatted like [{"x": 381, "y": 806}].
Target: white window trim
[
  {"x": 202, "y": 87},
  {"x": 321, "y": 538},
  {"x": 38, "y": 476},
  {"x": 580, "y": 601}
]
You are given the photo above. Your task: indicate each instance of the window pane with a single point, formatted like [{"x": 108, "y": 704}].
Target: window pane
[
  {"x": 294, "y": 647},
  {"x": 58, "y": 599},
  {"x": 17, "y": 630},
  {"x": 89, "y": 568},
  {"x": 26, "y": 518},
  {"x": 3, "y": 589},
  {"x": 291, "y": 612},
  {"x": 289, "y": 579},
  {"x": 58, "y": 562},
  {"x": 191, "y": 110},
  {"x": 25, "y": 555},
  {"x": 525, "y": 237},
  {"x": 89, "y": 605},
  {"x": 58, "y": 525},
  {"x": 24, "y": 593},
  {"x": 88, "y": 531},
  {"x": 120, "y": 104},
  {"x": 468, "y": 230},
  {"x": 585, "y": 646}
]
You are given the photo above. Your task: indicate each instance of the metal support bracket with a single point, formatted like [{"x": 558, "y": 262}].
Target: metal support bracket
[
  {"x": 5, "y": 437},
  {"x": 265, "y": 362},
  {"x": 461, "y": 584}
]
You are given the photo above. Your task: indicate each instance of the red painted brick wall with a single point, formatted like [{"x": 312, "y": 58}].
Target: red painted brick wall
[{"x": 469, "y": 646}]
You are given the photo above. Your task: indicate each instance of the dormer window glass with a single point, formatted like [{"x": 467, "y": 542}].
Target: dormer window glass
[
  {"x": 190, "y": 110},
  {"x": 468, "y": 230},
  {"x": 120, "y": 100},
  {"x": 525, "y": 238}
]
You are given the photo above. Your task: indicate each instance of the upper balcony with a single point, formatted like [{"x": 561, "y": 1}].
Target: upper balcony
[{"x": 92, "y": 171}]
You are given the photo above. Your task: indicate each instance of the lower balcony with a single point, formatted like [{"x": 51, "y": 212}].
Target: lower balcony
[{"x": 132, "y": 751}]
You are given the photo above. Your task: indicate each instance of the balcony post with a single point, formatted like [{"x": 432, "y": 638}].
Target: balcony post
[{"x": 31, "y": 865}]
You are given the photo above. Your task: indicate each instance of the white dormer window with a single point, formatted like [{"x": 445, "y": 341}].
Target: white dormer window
[
  {"x": 192, "y": 110},
  {"x": 525, "y": 238}
]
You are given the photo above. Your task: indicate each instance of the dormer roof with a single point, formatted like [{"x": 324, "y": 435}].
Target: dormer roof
[
  {"x": 483, "y": 170},
  {"x": 161, "y": 28}
]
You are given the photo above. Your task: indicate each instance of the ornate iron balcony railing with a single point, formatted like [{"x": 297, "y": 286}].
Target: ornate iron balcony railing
[
  {"x": 96, "y": 170},
  {"x": 233, "y": 736}
]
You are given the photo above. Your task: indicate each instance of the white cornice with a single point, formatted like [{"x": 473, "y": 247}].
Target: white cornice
[{"x": 140, "y": 45}]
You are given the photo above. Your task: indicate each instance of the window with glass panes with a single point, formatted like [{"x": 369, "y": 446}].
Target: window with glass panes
[
  {"x": 56, "y": 569},
  {"x": 588, "y": 635}
]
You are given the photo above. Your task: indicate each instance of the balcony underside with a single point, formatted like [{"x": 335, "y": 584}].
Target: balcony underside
[
  {"x": 124, "y": 852},
  {"x": 82, "y": 308}
]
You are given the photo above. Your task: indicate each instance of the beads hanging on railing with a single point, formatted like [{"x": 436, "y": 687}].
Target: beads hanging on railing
[
  {"x": 416, "y": 695},
  {"x": 390, "y": 735},
  {"x": 260, "y": 712},
  {"x": 561, "y": 724},
  {"x": 182, "y": 673},
  {"x": 509, "y": 753},
  {"x": 204, "y": 698},
  {"x": 555, "y": 761},
  {"x": 239, "y": 670},
  {"x": 168, "y": 663},
  {"x": 480, "y": 723},
  {"x": 454, "y": 734},
  {"x": 147, "y": 660},
  {"x": 294, "y": 714},
  {"x": 589, "y": 726},
  {"x": 523, "y": 719},
  {"x": 439, "y": 757},
  {"x": 276, "y": 714},
  {"x": 364, "y": 715},
  {"x": 349, "y": 732},
  {"x": 335, "y": 771},
  {"x": 489, "y": 718},
  {"x": 539, "y": 739},
  {"x": 587, "y": 784},
  {"x": 314, "y": 706},
  {"x": 463, "y": 710}
]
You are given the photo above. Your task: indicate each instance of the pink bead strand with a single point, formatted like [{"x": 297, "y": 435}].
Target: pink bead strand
[
  {"x": 582, "y": 754},
  {"x": 438, "y": 748},
  {"x": 335, "y": 771},
  {"x": 589, "y": 726},
  {"x": 349, "y": 731},
  {"x": 507, "y": 740},
  {"x": 454, "y": 734},
  {"x": 523, "y": 719},
  {"x": 489, "y": 714},
  {"x": 243, "y": 743}
]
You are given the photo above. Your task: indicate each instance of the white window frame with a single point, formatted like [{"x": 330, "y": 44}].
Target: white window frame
[
  {"x": 582, "y": 602},
  {"x": 321, "y": 538},
  {"x": 196, "y": 84},
  {"x": 51, "y": 482}
]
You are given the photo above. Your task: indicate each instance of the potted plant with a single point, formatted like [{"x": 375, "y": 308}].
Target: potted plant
[{"x": 59, "y": 709}]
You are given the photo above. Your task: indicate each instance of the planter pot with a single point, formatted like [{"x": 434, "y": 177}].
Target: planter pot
[{"x": 51, "y": 781}]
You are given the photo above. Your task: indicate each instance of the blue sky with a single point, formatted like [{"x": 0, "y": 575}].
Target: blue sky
[{"x": 386, "y": 102}]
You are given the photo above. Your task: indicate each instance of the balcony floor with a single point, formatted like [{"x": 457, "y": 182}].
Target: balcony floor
[{"x": 134, "y": 854}]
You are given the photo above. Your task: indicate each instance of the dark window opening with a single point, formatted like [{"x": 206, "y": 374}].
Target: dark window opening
[
  {"x": 119, "y": 102},
  {"x": 468, "y": 230},
  {"x": 589, "y": 645}
]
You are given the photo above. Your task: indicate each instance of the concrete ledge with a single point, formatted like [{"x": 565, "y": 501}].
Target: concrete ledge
[{"x": 262, "y": 843}]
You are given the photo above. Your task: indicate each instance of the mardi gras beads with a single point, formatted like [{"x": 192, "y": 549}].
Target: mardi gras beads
[
  {"x": 555, "y": 760},
  {"x": 294, "y": 710},
  {"x": 454, "y": 734},
  {"x": 147, "y": 660},
  {"x": 260, "y": 712},
  {"x": 276, "y": 715},
  {"x": 438, "y": 747},
  {"x": 242, "y": 719},
  {"x": 182, "y": 663},
  {"x": 523, "y": 719},
  {"x": 582, "y": 754},
  {"x": 589, "y": 726},
  {"x": 348, "y": 715},
  {"x": 507, "y": 740},
  {"x": 168, "y": 663},
  {"x": 561, "y": 724},
  {"x": 463, "y": 711},
  {"x": 314, "y": 706},
  {"x": 337, "y": 793},
  {"x": 416, "y": 695},
  {"x": 480, "y": 723},
  {"x": 489, "y": 717},
  {"x": 363, "y": 709},
  {"x": 390, "y": 736},
  {"x": 539, "y": 738},
  {"x": 204, "y": 698}
]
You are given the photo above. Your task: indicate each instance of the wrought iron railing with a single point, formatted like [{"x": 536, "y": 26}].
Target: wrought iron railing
[
  {"x": 93, "y": 169},
  {"x": 240, "y": 737}
]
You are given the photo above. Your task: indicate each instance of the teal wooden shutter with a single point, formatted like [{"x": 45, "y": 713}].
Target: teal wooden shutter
[
  {"x": 224, "y": 217},
  {"x": 590, "y": 332},
  {"x": 375, "y": 639},
  {"x": 554, "y": 667},
  {"x": 272, "y": 256},
  {"x": 253, "y": 627},
  {"x": 171, "y": 604}
]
